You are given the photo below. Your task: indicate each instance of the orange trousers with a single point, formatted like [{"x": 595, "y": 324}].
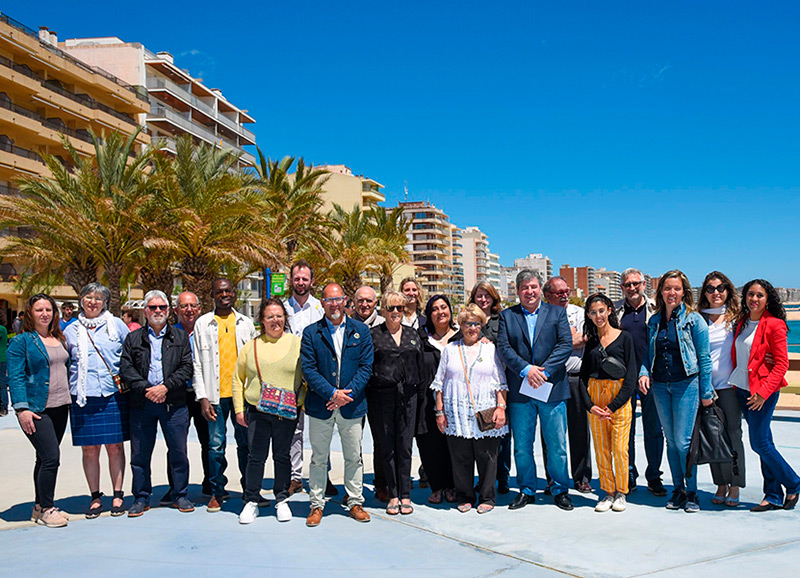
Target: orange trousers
[{"x": 610, "y": 436}]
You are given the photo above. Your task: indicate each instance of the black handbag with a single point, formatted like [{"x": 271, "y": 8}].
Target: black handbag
[
  {"x": 610, "y": 365},
  {"x": 711, "y": 443}
]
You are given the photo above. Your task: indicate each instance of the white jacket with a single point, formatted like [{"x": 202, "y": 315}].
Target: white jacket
[{"x": 205, "y": 339}]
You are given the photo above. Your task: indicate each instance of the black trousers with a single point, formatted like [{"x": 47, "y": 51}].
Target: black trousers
[
  {"x": 433, "y": 450},
  {"x": 466, "y": 453},
  {"x": 263, "y": 428},
  {"x": 46, "y": 440},
  {"x": 374, "y": 418},
  {"x": 395, "y": 417},
  {"x": 578, "y": 434},
  {"x": 201, "y": 427}
]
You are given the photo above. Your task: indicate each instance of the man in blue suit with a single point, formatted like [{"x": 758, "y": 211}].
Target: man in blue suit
[
  {"x": 336, "y": 356},
  {"x": 535, "y": 342}
]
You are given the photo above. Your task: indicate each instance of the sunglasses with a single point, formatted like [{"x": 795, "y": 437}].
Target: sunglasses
[
  {"x": 398, "y": 308},
  {"x": 158, "y": 307},
  {"x": 631, "y": 284},
  {"x": 711, "y": 288}
]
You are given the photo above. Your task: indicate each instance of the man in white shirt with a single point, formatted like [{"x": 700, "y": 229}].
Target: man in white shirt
[{"x": 303, "y": 309}]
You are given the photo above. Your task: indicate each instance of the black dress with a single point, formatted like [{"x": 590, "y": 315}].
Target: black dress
[{"x": 392, "y": 394}]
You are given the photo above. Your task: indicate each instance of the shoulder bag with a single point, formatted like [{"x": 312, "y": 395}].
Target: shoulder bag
[
  {"x": 274, "y": 400},
  {"x": 484, "y": 417}
]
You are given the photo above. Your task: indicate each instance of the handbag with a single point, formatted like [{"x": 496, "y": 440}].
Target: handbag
[
  {"x": 711, "y": 443},
  {"x": 610, "y": 365},
  {"x": 274, "y": 400},
  {"x": 122, "y": 387},
  {"x": 485, "y": 417}
]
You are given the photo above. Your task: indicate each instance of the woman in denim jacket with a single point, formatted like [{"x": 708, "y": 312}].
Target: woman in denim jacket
[{"x": 678, "y": 368}]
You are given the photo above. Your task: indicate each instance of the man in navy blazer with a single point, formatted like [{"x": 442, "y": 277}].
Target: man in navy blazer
[
  {"x": 535, "y": 342},
  {"x": 336, "y": 356}
]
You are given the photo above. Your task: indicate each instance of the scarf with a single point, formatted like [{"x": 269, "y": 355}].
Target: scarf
[
  {"x": 714, "y": 310},
  {"x": 84, "y": 345}
]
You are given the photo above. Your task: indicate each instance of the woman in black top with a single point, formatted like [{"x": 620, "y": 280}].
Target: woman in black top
[
  {"x": 393, "y": 389},
  {"x": 608, "y": 372},
  {"x": 440, "y": 329}
]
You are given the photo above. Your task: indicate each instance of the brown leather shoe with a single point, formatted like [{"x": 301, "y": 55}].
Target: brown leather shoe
[
  {"x": 315, "y": 517},
  {"x": 382, "y": 494},
  {"x": 214, "y": 505},
  {"x": 358, "y": 514},
  {"x": 295, "y": 486}
]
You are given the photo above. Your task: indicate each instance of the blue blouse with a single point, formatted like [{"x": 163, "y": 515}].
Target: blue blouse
[{"x": 99, "y": 382}]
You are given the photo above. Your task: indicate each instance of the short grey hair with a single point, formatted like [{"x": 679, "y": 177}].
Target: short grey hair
[
  {"x": 630, "y": 271},
  {"x": 95, "y": 287},
  {"x": 526, "y": 275},
  {"x": 150, "y": 295}
]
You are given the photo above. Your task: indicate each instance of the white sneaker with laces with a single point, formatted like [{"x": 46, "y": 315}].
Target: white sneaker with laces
[
  {"x": 249, "y": 513},
  {"x": 604, "y": 505},
  {"x": 282, "y": 511},
  {"x": 620, "y": 503}
]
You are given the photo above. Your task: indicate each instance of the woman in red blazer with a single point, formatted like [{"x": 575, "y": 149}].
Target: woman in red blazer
[{"x": 761, "y": 331}]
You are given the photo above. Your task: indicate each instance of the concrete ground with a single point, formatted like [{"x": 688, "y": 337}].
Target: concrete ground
[{"x": 539, "y": 540}]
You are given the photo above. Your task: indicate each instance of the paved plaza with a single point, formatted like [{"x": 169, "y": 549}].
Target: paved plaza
[{"x": 539, "y": 540}]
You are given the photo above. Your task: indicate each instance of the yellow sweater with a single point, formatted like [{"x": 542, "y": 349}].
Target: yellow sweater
[{"x": 279, "y": 360}]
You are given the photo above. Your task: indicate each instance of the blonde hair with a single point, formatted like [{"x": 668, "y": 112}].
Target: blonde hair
[
  {"x": 392, "y": 295},
  {"x": 471, "y": 310}
]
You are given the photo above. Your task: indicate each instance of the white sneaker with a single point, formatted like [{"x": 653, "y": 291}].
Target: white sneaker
[
  {"x": 282, "y": 511},
  {"x": 604, "y": 505},
  {"x": 249, "y": 513},
  {"x": 620, "y": 503}
]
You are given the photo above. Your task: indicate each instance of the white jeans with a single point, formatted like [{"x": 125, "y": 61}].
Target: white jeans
[{"x": 320, "y": 433}]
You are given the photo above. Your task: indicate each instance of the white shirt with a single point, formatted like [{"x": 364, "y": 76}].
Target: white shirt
[
  {"x": 301, "y": 316},
  {"x": 337, "y": 334},
  {"x": 576, "y": 318},
  {"x": 744, "y": 341},
  {"x": 720, "y": 341}
]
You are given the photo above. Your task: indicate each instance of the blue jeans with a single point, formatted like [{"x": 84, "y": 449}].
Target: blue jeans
[
  {"x": 522, "y": 418},
  {"x": 175, "y": 427},
  {"x": 3, "y": 386},
  {"x": 217, "y": 443},
  {"x": 777, "y": 473},
  {"x": 677, "y": 403}
]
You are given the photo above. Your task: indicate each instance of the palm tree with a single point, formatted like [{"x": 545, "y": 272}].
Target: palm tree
[
  {"x": 389, "y": 228},
  {"x": 211, "y": 216},
  {"x": 80, "y": 220},
  {"x": 353, "y": 249}
]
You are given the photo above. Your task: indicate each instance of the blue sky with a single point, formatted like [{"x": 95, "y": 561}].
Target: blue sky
[{"x": 610, "y": 134}]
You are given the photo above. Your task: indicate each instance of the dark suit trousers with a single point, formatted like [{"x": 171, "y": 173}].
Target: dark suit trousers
[
  {"x": 578, "y": 432},
  {"x": 201, "y": 428},
  {"x": 653, "y": 438},
  {"x": 395, "y": 418},
  {"x": 466, "y": 453},
  {"x": 433, "y": 450},
  {"x": 375, "y": 419},
  {"x": 175, "y": 427}
]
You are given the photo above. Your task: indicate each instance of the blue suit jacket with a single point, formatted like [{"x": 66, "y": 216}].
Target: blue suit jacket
[
  {"x": 320, "y": 367},
  {"x": 551, "y": 348}
]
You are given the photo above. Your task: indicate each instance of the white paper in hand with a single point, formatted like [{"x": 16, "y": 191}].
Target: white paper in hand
[{"x": 542, "y": 393}]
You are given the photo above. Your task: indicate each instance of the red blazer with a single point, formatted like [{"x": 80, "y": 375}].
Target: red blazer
[{"x": 770, "y": 337}]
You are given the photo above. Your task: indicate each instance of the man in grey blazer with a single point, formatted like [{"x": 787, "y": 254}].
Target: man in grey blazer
[{"x": 535, "y": 342}]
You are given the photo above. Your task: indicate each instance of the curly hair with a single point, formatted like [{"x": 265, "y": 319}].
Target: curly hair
[
  {"x": 589, "y": 328},
  {"x": 774, "y": 305},
  {"x": 731, "y": 303}
]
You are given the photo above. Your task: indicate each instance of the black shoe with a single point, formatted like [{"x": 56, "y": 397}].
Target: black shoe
[
  {"x": 95, "y": 511},
  {"x": 118, "y": 510},
  {"x": 423, "y": 479},
  {"x": 677, "y": 500},
  {"x": 790, "y": 503},
  {"x": 521, "y": 501},
  {"x": 502, "y": 487},
  {"x": 765, "y": 507},
  {"x": 564, "y": 502},
  {"x": 330, "y": 489},
  {"x": 632, "y": 485},
  {"x": 656, "y": 488},
  {"x": 583, "y": 486},
  {"x": 166, "y": 500},
  {"x": 139, "y": 507},
  {"x": 547, "y": 491}
]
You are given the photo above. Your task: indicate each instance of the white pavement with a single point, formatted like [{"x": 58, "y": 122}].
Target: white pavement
[{"x": 539, "y": 540}]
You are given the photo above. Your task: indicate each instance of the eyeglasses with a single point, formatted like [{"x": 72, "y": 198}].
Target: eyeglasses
[
  {"x": 397, "y": 308},
  {"x": 472, "y": 324},
  {"x": 632, "y": 284},
  {"x": 189, "y": 306},
  {"x": 564, "y": 292},
  {"x": 334, "y": 300},
  {"x": 719, "y": 288},
  {"x": 158, "y": 307},
  {"x": 93, "y": 298}
]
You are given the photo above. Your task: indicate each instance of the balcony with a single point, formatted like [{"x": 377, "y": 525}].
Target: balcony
[{"x": 49, "y": 123}]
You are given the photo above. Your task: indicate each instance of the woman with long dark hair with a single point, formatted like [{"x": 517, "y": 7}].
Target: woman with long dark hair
[
  {"x": 719, "y": 306},
  {"x": 39, "y": 384},
  {"x": 608, "y": 374},
  {"x": 761, "y": 329},
  {"x": 678, "y": 368}
]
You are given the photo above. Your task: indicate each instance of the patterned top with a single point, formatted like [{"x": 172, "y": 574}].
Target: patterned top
[{"x": 486, "y": 379}]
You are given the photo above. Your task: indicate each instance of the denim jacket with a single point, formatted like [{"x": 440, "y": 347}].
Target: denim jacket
[
  {"x": 28, "y": 372},
  {"x": 693, "y": 342}
]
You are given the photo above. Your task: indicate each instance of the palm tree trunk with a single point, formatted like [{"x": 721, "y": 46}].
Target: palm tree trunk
[
  {"x": 113, "y": 274},
  {"x": 197, "y": 277},
  {"x": 78, "y": 276},
  {"x": 160, "y": 278}
]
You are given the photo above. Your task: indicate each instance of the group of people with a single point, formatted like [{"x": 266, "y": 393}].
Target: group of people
[{"x": 467, "y": 388}]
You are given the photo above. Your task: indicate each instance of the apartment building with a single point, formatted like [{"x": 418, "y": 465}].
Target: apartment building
[
  {"x": 580, "y": 279},
  {"x": 349, "y": 191},
  {"x": 458, "y": 287},
  {"x": 179, "y": 103},
  {"x": 538, "y": 262},
  {"x": 475, "y": 256},
  {"x": 608, "y": 282},
  {"x": 493, "y": 276},
  {"x": 46, "y": 93}
]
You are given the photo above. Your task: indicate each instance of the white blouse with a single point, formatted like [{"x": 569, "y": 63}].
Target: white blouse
[
  {"x": 486, "y": 379},
  {"x": 720, "y": 340},
  {"x": 744, "y": 342}
]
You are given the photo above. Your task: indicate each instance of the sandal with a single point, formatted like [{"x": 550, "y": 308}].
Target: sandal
[
  {"x": 393, "y": 509},
  {"x": 118, "y": 510},
  {"x": 483, "y": 508},
  {"x": 450, "y": 495},
  {"x": 435, "y": 497},
  {"x": 718, "y": 498},
  {"x": 464, "y": 508},
  {"x": 406, "y": 509},
  {"x": 95, "y": 511}
]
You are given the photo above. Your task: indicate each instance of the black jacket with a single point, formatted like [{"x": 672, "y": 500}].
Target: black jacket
[{"x": 176, "y": 361}]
